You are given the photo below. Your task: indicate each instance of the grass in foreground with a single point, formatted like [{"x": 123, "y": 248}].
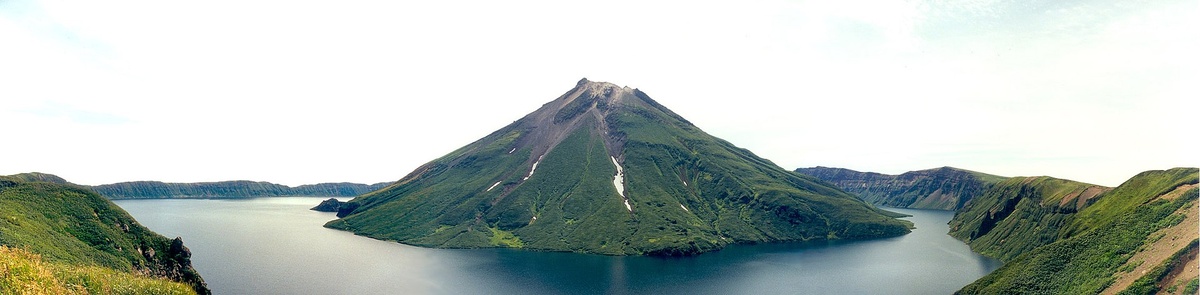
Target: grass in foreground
[{"x": 23, "y": 272}]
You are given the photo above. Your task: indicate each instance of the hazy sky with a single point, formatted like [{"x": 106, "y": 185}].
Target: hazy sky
[{"x": 299, "y": 92}]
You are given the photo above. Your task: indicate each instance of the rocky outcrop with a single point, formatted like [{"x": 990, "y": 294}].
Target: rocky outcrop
[
  {"x": 329, "y": 205},
  {"x": 177, "y": 265}
]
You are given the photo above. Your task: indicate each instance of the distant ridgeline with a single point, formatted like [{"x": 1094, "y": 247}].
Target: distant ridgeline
[
  {"x": 229, "y": 189},
  {"x": 61, "y": 238},
  {"x": 945, "y": 188}
]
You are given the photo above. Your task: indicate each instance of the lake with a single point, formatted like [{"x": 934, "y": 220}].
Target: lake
[{"x": 278, "y": 246}]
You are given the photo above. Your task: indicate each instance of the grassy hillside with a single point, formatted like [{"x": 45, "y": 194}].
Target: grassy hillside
[
  {"x": 229, "y": 189},
  {"x": 943, "y": 188},
  {"x": 547, "y": 182},
  {"x": 1020, "y": 214},
  {"x": 70, "y": 225},
  {"x": 23, "y": 272},
  {"x": 38, "y": 177},
  {"x": 1063, "y": 237}
]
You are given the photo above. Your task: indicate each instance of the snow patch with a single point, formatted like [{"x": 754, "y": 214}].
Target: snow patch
[
  {"x": 493, "y": 186},
  {"x": 684, "y": 208},
  {"x": 539, "y": 160},
  {"x": 618, "y": 182}
]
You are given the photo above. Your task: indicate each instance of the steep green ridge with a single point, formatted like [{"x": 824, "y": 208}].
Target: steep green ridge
[
  {"x": 1063, "y": 237},
  {"x": 945, "y": 188},
  {"x": 69, "y": 224},
  {"x": 550, "y": 181},
  {"x": 229, "y": 189},
  {"x": 1020, "y": 214}
]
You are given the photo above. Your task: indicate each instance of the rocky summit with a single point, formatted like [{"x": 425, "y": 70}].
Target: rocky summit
[{"x": 605, "y": 169}]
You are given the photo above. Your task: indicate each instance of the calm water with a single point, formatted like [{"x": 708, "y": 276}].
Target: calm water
[{"x": 277, "y": 246}]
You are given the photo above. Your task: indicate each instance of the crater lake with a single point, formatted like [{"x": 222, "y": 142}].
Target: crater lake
[{"x": 278, "y": 246}]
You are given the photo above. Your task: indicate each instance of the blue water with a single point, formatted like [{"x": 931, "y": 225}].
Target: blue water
[{"x": 277, "y": 246}]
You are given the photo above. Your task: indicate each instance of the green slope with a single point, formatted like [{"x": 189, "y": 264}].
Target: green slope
[
  {"x": 1064, "y": 237},
  {"x": 945, "y": 188},
  {"x": 37, "y": 177},
  {"x": 228, "y": 189},
  {"x": 1020, "y": 214},
  {"x": 682, "y": 191},
  {"x": 71, "y": 225}
]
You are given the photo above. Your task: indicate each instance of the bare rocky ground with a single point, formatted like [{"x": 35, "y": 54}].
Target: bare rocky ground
[{"x": 1169, "y": 241}]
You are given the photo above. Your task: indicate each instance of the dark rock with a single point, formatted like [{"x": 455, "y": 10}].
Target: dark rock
[
  {"x": 182, "y": 258},
  {"x": 330, "y": 205},
  {"x": 176, "y": 264},
  {"x": 346, "y": 209}
]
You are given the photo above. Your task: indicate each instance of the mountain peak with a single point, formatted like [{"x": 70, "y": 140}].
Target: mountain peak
[
  {"x": 605, "y": 169},
  {"x": 592, "y": 90}
]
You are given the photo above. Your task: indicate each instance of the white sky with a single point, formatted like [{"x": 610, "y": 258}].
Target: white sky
[{"x": 298, "y": 92}]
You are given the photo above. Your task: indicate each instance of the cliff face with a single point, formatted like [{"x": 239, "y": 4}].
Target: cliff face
[
  {"x": 943, "y": 188},
  {"x": 177, "y": 265},
  {"x": 229, "y": 189},
  {"x": 1020, "y": 214},
  {"x": 1064, "y": 237},
  {"x": 72, "y": 225}
]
